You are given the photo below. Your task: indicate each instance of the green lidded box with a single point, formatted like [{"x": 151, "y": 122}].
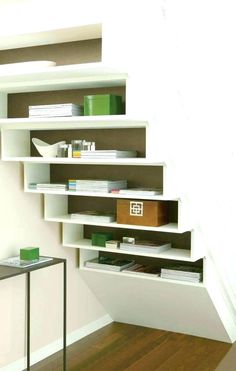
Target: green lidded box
[
  {"x": 29, "y": 253},
  {"x": 100, "y": 238},
  {"x": 103, "y": 104}
]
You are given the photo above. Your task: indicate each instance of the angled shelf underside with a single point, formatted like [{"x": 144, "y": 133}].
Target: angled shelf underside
[
  {"x": 76, "y": 122},
  {"x": 85, "y": 75}
]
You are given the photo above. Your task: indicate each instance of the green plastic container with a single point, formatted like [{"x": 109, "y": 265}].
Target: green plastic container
[
  {"x": 103, "y": 104},
  {"x": 29, "y": 253},
  {"x": 100, "y": 238}
]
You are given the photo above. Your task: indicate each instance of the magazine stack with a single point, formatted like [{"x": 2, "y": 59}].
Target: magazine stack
[
  {"x": 183, "y": 273},
  {"x": 55, "y": 110}
]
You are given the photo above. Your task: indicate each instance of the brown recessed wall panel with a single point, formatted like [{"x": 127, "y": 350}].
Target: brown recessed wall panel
[
  {"x": 86, "y": 51},
  {"x": 118, "y": 139},
  {"x": 178, "y": 240},
  {"x": 137, "y": 176},
  {"x": 18, "y": 103}
]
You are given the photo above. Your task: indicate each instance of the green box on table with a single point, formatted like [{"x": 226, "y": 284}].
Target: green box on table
[{"x": 29, "y": 253}]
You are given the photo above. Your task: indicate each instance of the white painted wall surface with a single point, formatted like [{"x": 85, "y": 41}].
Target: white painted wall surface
[
  {"x": 22, "y": 224},
  {"x": 181, "y": 63}
]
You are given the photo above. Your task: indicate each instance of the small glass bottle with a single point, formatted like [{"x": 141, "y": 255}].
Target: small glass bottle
[
  {"x": 76, "y": 148},
  {"x": 63, "y": 150},
  {"x": 69, "y": 152}
]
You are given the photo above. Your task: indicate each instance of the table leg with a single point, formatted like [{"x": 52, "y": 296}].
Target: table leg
[
  {"x": 64, "y": 316},
  {"x": 28, "y": 321}
]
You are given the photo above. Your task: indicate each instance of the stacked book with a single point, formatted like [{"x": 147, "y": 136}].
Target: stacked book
[
  {"x": 144, "y": 191},
  {"x": 100, "y": 154},
  {"x": 16, "y": 262},
  {"x": 94, "y": 185},
  {"x": 108, "y": 263},
  {"x": 56, "y": 110},
  {"x": 183, "y": 273},
  {"x": 150, "y": 247},
  {"x": 93, "y": 216},
  {"x": 48, "y": 186},
  {"x": 145, "y": 270}
]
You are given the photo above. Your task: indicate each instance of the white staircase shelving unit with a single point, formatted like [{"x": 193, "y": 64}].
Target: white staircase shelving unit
[
  {"x": 16, "y": 146},
  {"x": 167, "y": 304}
]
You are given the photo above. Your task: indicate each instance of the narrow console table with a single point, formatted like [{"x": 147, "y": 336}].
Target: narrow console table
[{"x": 8, "y": 272}]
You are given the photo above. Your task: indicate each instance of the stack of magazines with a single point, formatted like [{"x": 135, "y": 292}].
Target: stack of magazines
[
  {"x": 151, "y": 247},
  {"x": 56, "y": 110},
  {"x": 108, "y": 263},
  {"x": 183, "y": 273},
  {"x": 142, "y": 191},
  {"x": 100, "y": 154},
  {"x": 96, "y": 185},
  {"x": 16, "y": 262},
  {"x": 93, "y": 216},
  {"x": 48, "y": 186},
  {"x": 145, "y": 270}
]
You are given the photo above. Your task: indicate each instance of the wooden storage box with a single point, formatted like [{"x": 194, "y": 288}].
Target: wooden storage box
[{"x": 140, "y": 212}]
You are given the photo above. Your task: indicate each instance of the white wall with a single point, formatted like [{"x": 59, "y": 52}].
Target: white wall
[
  {"x": 182, "y": 78},
  {"x": 181, "y": 60},
  {"x": 22, "y": 225}
]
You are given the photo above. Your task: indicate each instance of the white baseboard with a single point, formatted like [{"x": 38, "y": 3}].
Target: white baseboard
[{"x": 54, "y": 347}]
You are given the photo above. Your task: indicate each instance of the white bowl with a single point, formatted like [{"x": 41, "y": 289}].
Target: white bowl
[{"x": 45, "y": 149}]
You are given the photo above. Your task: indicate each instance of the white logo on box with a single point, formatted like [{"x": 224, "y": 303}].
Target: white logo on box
[{"x": 136, "y": 208}]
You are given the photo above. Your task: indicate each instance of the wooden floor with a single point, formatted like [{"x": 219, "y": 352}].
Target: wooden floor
[{"x": 119, "y": 347}]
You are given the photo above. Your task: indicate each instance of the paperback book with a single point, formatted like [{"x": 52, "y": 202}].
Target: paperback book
[
  {"x": 141, "y": 269},
  {"x": 107, "y": 154},
  {"x": 56, "y": 110},
  {"x": 48, "y": 186},
  {"x": 141, "y": 191},
  {"x": 95, "y": 185},
  {"x": 94, "y": 216},
  {"x": 108, "y": 263},
  {"x": 183, "y": 270},
  {"x": 183, "y": 273},
  {"x": 181, "y": 278},
  {"x": 16, "y": 262},
  {"x": 151, "y": 247}
]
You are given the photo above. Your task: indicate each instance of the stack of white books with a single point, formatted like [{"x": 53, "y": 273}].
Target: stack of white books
[
  {"x": 142, "y": 191},
  {"x": 16, "y": 262},
  {"x": 100, "y": 154},
  {"x": 93, "y": 216},
  {"x": 56, "y": 110},
  {"x": 108, "y": 263},
  {"x": 150, "y": 247},
  {"x": 183, "y": 273},
  {"x": 96, "y": 185},
  {"x": 48, "y": 186}
]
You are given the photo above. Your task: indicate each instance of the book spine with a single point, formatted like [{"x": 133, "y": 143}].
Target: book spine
[
  {"x": 55, "y": 106},
  {"x": 181, "y": 278},
  {"x": 181, "y": 273}
]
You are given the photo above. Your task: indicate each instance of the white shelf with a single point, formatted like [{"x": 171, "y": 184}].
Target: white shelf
[
  {"x": 80, "y": 161},
  {"x": 74, "y": 76},
  {"x": 75, "y": 122},
  {"x": 173, "y": 254},
  {"x": 16, "y": 140},
  {"x": 170, "y": 228},
  {"x": 104, "y": 195},
  {"x": 142, "y": 277}
]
